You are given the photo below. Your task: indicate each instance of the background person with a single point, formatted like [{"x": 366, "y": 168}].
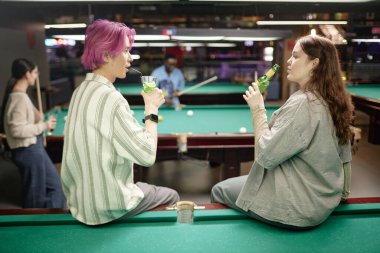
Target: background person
[
  {"x": 170, "y": 79},
  {"x": 24, "y": 125}
]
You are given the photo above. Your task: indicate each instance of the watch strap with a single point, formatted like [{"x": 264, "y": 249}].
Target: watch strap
[{"x": 152, "y": 117}]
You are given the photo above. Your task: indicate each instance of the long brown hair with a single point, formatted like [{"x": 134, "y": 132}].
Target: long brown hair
[
  {"x": 19, "y": 68},
  {"x": 326, "y": 82}
]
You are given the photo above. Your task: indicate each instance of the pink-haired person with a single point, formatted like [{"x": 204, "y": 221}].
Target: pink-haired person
[{"x": 102, "y": 138}]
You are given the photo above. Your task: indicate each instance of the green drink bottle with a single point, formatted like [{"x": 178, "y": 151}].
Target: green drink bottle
[{"x": 263, "y": 81}]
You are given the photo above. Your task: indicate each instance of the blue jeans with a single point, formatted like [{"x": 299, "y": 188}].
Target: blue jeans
[{"x": 40, "y": 180}]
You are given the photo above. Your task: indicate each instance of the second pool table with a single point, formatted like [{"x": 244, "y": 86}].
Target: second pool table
[
  {"x": 213, "y": 134},
  {"x": 209, "y": 94},
  {"x": 366, "y": 98}
]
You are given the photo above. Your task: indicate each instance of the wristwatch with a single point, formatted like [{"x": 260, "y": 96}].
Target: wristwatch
[{"x": 152, "y": 117}]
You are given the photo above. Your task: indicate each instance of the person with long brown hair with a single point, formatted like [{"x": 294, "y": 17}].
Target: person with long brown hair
[
  {"x": 24, "y": 125},
  {"x": 302, "y": 167}
]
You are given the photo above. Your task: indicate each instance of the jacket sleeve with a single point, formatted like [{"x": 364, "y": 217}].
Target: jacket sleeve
[
  {"x": 260, "y": 123},
  {"x": 290, "y": 134}
]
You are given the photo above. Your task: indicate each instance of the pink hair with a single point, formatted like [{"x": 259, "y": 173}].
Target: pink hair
[{"x": 104, "y": 36}]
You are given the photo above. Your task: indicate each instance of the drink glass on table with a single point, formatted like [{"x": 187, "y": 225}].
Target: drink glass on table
[
  {"x": 185, "y": 212},
  {"x": 149, "y": 83}
]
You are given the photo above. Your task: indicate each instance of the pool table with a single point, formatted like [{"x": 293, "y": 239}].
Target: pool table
[
  {"x": 366, "y": 98},
  {"x": 213, "y": 134},
  {"x": 211, "y": 93},
  {"x": 350, "y": 228}
]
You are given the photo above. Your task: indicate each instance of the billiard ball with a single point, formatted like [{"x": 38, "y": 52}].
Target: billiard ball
[
  {"x": 160, "y": 118},
  {"x": 65, "y": 118},
  {"x": 243, "y": 130},
  {"x": 190, "y": 113}
]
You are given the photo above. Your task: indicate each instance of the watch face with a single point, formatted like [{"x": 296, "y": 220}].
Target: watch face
[{"x": 154, "y": 117}]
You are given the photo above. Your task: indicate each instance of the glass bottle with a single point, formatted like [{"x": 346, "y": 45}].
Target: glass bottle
[{"x": 263, "y": 81}]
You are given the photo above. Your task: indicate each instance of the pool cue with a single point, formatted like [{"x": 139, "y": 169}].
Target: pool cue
[
  {"x": 39, "y": 94},
  {"x": 198, "y": 85},
  {"x": 38, "y": 87}
]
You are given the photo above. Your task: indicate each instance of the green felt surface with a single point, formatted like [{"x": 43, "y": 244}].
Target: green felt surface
[
  {"x": 205, "y": 120},
  {"x": 371, "y": 91},
  {"x": 210, "y": 88},
  {"x": 351, "y": 228}
]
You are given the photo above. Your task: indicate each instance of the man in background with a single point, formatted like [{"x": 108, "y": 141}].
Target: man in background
[{"x": 170, "y": 80}]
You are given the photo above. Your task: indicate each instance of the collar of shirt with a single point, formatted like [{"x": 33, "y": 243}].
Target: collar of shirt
[{"x": 99, "y": 79}]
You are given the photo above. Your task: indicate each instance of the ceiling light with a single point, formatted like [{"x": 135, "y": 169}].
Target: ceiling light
[
  {"x": 62, "y": 26},
  {"x": 140, "y": 44},
  {"x": 251, "y": 38},
  {"x": 192, "y": 44},
  {"x": 162, "y": 44},
  {"x": 151, "y": 37},
  {"x": 199, "y": 38},
  {"x": 273, "y": 22},
  {"x": 366, "y": 40},
  {"x": 135, "y": 56},
  {"x": 221, "y": 45},
  {"x": 70, "y": 37}
]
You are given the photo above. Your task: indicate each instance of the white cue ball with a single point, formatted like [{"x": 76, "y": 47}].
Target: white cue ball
[
  {"x": 65, "y": 118},
  {"x": 243, "y": 130},
  {"x": 190, "y": 113}
]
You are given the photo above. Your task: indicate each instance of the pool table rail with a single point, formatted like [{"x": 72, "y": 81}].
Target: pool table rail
[{"x": 366, "y": 99}]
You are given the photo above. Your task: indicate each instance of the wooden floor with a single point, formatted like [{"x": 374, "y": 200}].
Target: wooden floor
[
  {"x": 365, "y": 164},
  {"x": 193, "y": 179}
]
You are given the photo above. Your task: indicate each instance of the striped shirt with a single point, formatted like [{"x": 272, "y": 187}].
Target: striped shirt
[{"x": 102, "y": 141}]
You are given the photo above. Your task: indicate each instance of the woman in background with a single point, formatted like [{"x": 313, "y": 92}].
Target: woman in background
[{"x": 23, "y": 126}]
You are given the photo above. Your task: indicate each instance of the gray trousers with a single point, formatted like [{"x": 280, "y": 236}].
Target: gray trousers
[
  {"x": 227, "y": 192},
  {"x": 153, "y": 197}
]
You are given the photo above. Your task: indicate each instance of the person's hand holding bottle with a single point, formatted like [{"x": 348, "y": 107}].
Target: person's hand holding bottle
[{"x": 254, "y": 98}]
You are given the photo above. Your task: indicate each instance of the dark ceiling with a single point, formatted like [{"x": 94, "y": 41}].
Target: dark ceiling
[
  {"x": 54, "y": 12},
  {"x": 361, "y": 16}
]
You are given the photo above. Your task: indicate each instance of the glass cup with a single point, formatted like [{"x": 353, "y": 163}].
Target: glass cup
[
  {"x": 182, "y": 143},
  {"x": 149, "y": 83},
  {"x": 51, "y": 115},
  {"x": 185, "y": 212}
]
